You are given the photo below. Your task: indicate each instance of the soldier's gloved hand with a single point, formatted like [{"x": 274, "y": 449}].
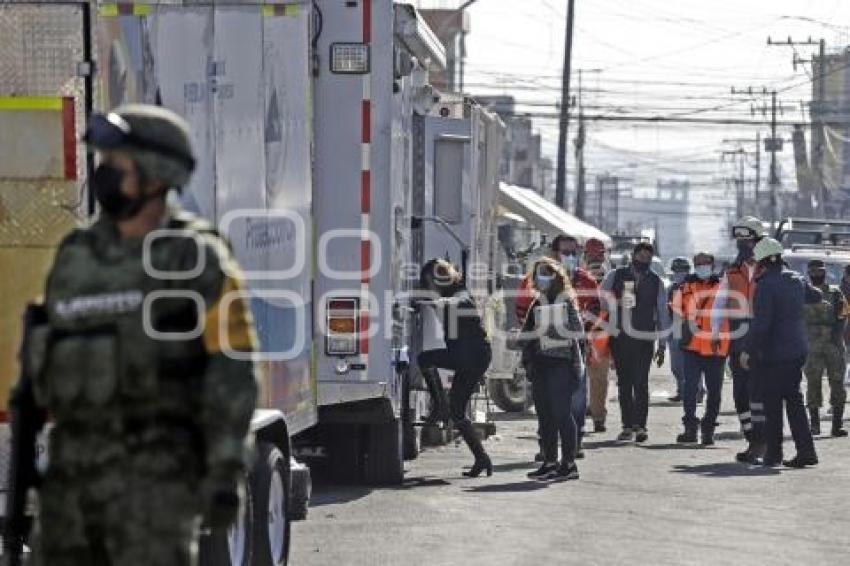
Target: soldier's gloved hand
[{"x": 221, "y": 499}]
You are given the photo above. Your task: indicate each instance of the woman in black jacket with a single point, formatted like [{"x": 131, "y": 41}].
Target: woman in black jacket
[
  {"x": 467, "y": 351},
  {"x": 554, "y": 340}
]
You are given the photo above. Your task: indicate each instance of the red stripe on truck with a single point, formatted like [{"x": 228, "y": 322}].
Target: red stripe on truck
[
  {"x": 367, "y": 21},
  {"x": 365, "y": 260},
  {"x": 69, "y": 141},
  {"x": 365, "y": 192},
  {"x": 366, "y": 115}
]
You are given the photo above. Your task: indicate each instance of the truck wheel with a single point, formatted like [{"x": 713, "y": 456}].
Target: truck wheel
[
  {"x": 384, "y": 463},
  {"x": 271, "y": 484},
  {"x": 231, "y": 546},
  {"x": 509, "y": 394}
]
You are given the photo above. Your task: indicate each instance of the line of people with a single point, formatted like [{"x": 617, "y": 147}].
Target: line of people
[{"x": 766, "y": 322}]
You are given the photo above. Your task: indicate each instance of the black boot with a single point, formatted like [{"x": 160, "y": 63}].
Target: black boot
[
  {"x": 838, "y": 421},
  {"x": 814, "y": 420},
  {"x": 707, "y": 435},
  {"x": 689, "y": 436},
  {"x": 752, "y": 455},
  {"x": 482, "y": 460},
  {"x": 439, "y": 399},
  {"x": 801, "y": 461}
]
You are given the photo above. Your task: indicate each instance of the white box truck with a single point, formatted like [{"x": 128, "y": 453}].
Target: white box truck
[{"x": 239, "y": 72}]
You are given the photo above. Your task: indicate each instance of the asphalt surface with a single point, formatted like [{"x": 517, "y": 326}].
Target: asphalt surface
[{"x": 653, "y": 504}]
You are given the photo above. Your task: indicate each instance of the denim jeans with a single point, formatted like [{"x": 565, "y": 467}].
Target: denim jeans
[
  {"x": 555, "y": 388},
  {"x": 579, "y": 405},
  {"x": 710, "y": 368}
]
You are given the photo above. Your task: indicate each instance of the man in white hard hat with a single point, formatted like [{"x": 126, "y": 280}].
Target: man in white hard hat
[
  {"x": 775, "y": 351},
  {"x": 733, "y": 305}
]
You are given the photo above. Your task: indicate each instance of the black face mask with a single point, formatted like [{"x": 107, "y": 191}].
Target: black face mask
[
  {"x": 817, "y": 279},
  {"x": 640, "y": 266},
  {"x": 745, "y": 250},
  {"x": 107, "y": 190}
]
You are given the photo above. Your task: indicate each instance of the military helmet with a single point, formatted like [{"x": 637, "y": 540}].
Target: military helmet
[
  {"x": 680, "y": 264},
  {"x": 767, "y": 247},
  {"x": 158, "y": 140},
  {"x": 748, "y": 227},
  {"x": 816, "y": 264}
]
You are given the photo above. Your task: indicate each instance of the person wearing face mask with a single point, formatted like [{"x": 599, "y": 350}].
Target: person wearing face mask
[
  {"x": 825, "y": 324},
  {"x": 566, "y": 250},
  {"x": 680, "y": 268},
  {"x": 775, "y": 351},
  {"x": 637, "y": 306},
  {"x": 692, "y": 303},
  {"x": 598, "y": 365},
  {"x": 467, "y": 351},
  {"x": 148, "y": 431},
  {"x": 733, "y": 307},
  {"x": 554, "y": 354}
]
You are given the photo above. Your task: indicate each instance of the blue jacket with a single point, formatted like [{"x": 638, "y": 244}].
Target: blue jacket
[{"x": 777, "y": 332}]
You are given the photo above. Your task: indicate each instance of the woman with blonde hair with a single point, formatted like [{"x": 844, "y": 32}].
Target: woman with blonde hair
[{"x": 553, "y": 353}]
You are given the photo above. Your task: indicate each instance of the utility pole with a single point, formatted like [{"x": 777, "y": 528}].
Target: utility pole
[
  {"x": 772, "y": 144},
  {"x": 817, "y": 110},
  {"x": 561, "y": 179},
  {"x": 581, "y": 189},
  {"x": 757, "y": 166},
  {"x": 581, "y": 139},
  {"x": 740, "y": 154},
  {"x": 774, "y": 179}
]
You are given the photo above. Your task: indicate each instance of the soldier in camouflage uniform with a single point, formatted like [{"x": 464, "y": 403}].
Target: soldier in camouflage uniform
[
  {"x": 825, "y": 323},
  {"x": 145, "y": 364}
]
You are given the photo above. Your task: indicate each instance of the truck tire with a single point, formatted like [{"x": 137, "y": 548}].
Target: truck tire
[
  {"x": 271, "y": 484},
  {"x": 232, "y": 546},
  {"x": 384, "y": 463},
  {"x": 509, "y": 394}
]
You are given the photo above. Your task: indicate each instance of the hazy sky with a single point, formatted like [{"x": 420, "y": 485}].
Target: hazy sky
[{"x": 657, "y": 58}]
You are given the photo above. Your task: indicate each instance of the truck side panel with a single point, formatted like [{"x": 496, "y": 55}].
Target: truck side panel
[
  {"x": 239, "y": 73},
  {"x": 356, "y": 206}
]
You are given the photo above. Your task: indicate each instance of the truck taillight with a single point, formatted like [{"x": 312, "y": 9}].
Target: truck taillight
[{"x": 342, "y": 316}]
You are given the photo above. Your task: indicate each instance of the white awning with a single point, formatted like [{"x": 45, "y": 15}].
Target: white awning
[{"x": 546, "y": 216}]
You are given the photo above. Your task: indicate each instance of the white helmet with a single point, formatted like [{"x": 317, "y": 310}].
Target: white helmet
[
  {"x": 748, "y": 227},
  {"x": 767, "y": 247}
]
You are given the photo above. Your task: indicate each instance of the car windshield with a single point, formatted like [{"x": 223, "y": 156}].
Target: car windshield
[{"x": 834, "y": 268}]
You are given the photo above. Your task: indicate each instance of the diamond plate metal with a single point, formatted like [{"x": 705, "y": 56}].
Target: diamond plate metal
[
  {"x": 40, "y": 49},
  {"x": 36, "y": 214}
]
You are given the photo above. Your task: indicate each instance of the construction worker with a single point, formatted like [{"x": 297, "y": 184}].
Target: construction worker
[
  {"x": 636, "y": 306},
  {"x": 733, "y": 307},
  {"x": 702, "y": 357},
  {"x": 775, "y": 351},
  {"x": 825, "y": 325},
  {"x": 680, "y": 269},
  {"x": 467, "y": 351},
  {"x": 149, "y": 430},
  {"x": 597, "y": 366}
]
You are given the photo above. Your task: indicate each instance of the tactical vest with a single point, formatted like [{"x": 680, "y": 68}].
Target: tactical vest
[
  {"x": 821, "y": 317},
  {"x": 113, "y": 363},
  {"x": 644, "y": 314}
]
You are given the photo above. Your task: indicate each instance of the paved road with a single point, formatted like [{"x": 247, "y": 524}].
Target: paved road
[{"x": 656, "y": 504}]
